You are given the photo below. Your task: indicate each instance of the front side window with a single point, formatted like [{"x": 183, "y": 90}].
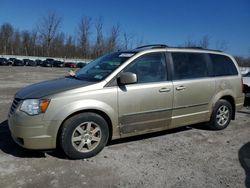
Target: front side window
[
  {"x": 222, "y": 65},
  {"x": 100, "y": 68},
  {"x": 149, "y": 68},
  {"x": 189, "y": 65}
]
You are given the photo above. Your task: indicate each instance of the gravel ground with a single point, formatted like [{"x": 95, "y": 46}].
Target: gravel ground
[{"x": 185, "y": 157}]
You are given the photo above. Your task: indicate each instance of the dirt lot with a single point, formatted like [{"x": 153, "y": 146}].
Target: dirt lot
[{"x": 186, "y": 157}]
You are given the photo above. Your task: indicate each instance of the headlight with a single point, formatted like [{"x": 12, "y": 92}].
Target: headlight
[{"x": 34, "y": 106}]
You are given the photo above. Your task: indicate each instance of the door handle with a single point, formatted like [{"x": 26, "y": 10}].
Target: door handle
[
  {"x": 180, "y": 88},
  {"x": 164, "y": 89}
]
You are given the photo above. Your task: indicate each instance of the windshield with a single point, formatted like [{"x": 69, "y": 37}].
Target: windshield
[{"x": 100, "y": 68}]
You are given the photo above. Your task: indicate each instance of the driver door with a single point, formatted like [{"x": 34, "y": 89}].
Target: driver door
[{"x": 146, "y": 106}]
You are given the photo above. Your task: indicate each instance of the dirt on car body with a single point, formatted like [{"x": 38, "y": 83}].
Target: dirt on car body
[{"x": 192, "y": 156}]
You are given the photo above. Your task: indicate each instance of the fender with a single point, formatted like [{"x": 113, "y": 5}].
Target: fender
[
  {"x": 217, "y": 97},
  {"x": 63, "y": 112}
]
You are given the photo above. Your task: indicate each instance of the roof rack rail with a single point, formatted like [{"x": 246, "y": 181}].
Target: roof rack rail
[
  {"x": 153, "y": 46},
  {"x": 199, "y": 48},
  {"x": 196, "y": 47}
]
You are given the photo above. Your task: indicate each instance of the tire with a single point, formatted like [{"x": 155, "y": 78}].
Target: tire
[
  {"x": 84, "y": 135},
  {"x": 221, "y": 115}
]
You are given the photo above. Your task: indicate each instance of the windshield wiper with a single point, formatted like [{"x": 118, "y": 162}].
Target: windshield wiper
[{"x": 88, "y": 78}]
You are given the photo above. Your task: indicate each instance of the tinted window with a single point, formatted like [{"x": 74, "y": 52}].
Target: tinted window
[
  {"x": 149, "y": 68},
  {"x": 247, "y": 75},
  {"x": 223, "y": 65},
  {"x": 189, "y": 65}
]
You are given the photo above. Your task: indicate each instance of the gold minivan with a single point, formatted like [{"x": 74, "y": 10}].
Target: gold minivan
[{"x": 126, "y": 93}]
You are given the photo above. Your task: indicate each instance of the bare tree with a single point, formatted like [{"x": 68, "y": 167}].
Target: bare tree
[
  {"x": 84, "y": 33},
  {"x": 47, "y": 40},
  {"x": 98, "y": 48},
  {"x": 140, "y": 42},
  {"x": 58, "y": 45},
  {"x": 33, "y": 43},
  {"x": 127, "y": 40},
  {"x": 6, "y": 34},
  {"x": 244, "y": 62},
  {"x": 16, "y": 47},
  {"x": 48, "y": 29},
  {"x": 221, "y": 45},
  {"x": 204, "y": 41},
  {"x": 26, "y": 42},
  {"x": 70, "y": 47},
  {"x": 190, "y": 43},
  {"x": 112, "y": 41}
]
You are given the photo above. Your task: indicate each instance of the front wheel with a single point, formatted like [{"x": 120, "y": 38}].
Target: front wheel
[
  {"x": 84, "y": 135},
  {"x": 221, "y": 115}
]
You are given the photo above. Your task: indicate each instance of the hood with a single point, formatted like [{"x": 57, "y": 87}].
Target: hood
[{"x": 50, "y": 87}]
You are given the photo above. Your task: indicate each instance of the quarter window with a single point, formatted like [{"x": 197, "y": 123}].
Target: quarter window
[
  {"x": 222, "y": 65},
  {"x": 149, "y": 68},
  {"x": 189, "y": 65}
]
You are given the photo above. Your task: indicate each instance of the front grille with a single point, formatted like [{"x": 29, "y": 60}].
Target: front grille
[{"x": 14, "y": 105}]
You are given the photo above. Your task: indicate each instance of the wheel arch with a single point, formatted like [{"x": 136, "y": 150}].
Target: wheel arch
[
  {"x": 231, "y": 100},
  {"x": 99, "y": 112}
]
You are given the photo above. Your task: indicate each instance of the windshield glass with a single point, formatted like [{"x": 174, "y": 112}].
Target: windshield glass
[{"x": 100, "y": 68}]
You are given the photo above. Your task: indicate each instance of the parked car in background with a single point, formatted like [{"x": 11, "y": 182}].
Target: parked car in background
[
  {"x": 18, "y": 62},
  {"x": 81, "y": 65},
  {"x": 25, "y": 61},
  {"x": 48, "y": 62},
  {"x": 4, "y": 62},
  {"x": 39, "y": 62},
  {"x": 127, "y": 93},
  {"x": 11, "y": 60},
  {"x": 58, "y": 64},
  {"x": 70, "y": 65},
  {"x": 246, "y": 82},
  {"x": 31, "y": 63}
]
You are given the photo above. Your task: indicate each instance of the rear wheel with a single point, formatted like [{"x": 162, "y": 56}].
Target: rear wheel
[
  {"x": 84, "y": 135},
  {"x": 221, "y": 115}
]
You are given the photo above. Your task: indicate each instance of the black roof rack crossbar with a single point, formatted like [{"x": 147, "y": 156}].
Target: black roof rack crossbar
[
  {"x": 195, "y": 47},
  {"x": 153, "y": 46}
]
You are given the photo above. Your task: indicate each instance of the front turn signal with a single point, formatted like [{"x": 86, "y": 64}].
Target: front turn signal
[{"x": 44, "y": 104}]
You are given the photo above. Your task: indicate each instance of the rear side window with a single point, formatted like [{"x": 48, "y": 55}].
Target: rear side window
[
  {"x": 222, "y": 65},
  {"x": 189, "y": 65}
]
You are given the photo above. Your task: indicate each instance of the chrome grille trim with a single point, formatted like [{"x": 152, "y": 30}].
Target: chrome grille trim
[{"x": 14, "y": 105}]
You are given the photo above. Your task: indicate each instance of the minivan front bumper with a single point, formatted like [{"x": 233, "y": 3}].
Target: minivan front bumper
[{"x": 32, "y": 132}]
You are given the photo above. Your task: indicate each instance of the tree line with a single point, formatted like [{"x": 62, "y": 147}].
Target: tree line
[
  {"x": 222, "y": 45},
  {"x": 47, "y": 39}
]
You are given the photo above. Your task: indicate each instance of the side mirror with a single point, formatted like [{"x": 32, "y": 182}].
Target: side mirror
[{"x": 127, "y": 78}]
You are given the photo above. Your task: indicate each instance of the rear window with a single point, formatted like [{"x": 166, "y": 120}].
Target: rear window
[{"x": 222, "y": 65}]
